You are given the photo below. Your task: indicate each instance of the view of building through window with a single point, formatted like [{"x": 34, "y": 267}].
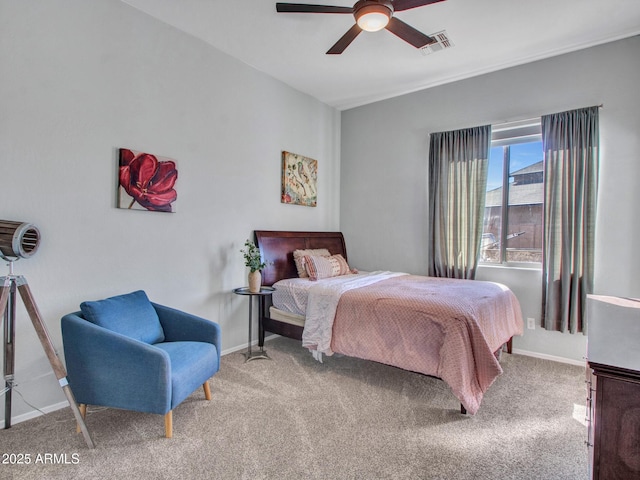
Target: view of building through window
[{"x": 514, "y": 204}]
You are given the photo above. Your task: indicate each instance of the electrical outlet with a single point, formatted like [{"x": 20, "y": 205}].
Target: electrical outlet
[{"x": 531, "y": 323}]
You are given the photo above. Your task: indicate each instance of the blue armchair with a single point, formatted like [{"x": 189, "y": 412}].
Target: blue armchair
[{"x": 127, "y": 352}]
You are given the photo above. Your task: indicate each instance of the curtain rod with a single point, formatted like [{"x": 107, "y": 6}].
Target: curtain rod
[
  {"x": 524, "y": 121},
  {"x": 531, "y": 120}
]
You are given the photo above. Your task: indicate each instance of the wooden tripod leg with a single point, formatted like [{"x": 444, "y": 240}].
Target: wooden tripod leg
[
  {"x": 76, "y": 412},
  {"x": 4, "y": 296},
  {"x": 47, "y": 345}
]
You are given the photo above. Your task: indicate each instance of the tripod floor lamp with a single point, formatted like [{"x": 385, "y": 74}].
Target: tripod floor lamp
[{"x": 21, "y": 240}]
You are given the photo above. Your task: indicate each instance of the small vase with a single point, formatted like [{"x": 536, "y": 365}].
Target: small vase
[{"x": 255, "y": 281}]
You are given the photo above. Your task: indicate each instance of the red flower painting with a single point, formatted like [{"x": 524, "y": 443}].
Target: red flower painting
[{"x": 148, "y": 181}]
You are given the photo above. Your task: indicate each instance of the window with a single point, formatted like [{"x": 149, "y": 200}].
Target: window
[{"x": 512, "y": 227}]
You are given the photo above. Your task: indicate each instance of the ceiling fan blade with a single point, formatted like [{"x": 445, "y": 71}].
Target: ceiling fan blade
[
  {"x": 304, "y": 8},
  {"x": 408, "y": 33},
  {"x": 400, "y": 5},
  {"x": 344, "y": 42}
]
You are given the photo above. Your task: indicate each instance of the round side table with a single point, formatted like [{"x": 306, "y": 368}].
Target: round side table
[{"x": 264, "y": 292}]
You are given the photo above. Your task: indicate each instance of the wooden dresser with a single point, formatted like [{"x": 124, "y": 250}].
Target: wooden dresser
[{"x": 613, "y": 379}]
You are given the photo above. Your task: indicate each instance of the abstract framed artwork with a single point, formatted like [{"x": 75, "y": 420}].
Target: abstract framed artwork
[
  {"x": 146, "y": 181},
  {"x": 299, "y": 180}
]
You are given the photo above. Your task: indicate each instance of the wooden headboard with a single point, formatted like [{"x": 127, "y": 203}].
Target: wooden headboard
[{"x": 277, "y": 250}]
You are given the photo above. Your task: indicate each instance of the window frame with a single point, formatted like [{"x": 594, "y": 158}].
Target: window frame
[{"x": 506, "y": 135}]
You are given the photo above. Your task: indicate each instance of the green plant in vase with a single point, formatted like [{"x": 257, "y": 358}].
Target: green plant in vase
[{"x": 253, "y": 260}]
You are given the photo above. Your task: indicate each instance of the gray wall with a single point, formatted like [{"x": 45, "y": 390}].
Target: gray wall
[
  {"x": 383, "y": 209},
  {"x": 79, "y": 80}
]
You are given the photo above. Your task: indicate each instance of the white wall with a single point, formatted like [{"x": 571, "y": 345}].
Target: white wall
[
  {"x": 79, "y": 80},
  {"x": 383, "y": 211}
]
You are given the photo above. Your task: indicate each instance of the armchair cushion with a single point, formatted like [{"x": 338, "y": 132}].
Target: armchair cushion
[
  {"x": 130, "y": 314},
  {"x": 192, "y": 363}
]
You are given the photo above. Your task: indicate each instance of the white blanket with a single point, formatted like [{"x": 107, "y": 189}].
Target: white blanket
[{"x": 322, "y": 306}]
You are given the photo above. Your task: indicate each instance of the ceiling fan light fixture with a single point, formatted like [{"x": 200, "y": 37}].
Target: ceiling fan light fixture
[{"x": 373, "y": 16}]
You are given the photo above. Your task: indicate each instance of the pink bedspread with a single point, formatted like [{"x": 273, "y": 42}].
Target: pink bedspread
[{"x": 442, "y": 327}]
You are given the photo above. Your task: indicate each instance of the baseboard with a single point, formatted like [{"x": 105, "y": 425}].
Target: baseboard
[
  {"x": 36, "y": 413},
  {"x": 244, "y": 346},
  {"x": 553, "y": 358}
]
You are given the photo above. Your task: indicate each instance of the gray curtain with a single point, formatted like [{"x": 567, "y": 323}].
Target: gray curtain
[
  {"x": 458, "y": 166},
  {"x": 570, "y": 142}
]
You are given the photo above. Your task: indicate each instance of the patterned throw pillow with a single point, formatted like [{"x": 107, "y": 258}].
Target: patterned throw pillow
[
  {"x": 326, "y": 267},
  {"x": 298, "y": 258}
]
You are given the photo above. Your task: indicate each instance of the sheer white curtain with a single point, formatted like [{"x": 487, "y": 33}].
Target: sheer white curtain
[
  {"x": 570, "y": 143},
  {"x": 458, "y": 166}
]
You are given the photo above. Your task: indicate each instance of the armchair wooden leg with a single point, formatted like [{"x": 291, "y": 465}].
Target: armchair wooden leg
[
  {"x": 168, "y": 424},
  {"x": 83, "y": 411},
  {"x": 207, "y": 390}
]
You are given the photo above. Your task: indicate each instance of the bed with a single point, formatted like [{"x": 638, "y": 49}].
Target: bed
[{"x": 446, "y": 328}]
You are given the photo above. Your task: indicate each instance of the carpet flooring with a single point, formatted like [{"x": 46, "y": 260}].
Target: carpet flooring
[{"x": 293, "y": 418}]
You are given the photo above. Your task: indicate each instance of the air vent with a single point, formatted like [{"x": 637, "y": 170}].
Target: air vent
[{"x": 443, "y": 42}]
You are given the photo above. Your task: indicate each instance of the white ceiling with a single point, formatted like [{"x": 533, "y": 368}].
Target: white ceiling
[{"x": 488, "y": 35}]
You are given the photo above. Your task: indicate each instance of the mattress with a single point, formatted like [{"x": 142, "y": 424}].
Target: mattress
[
  {"x": 291, "y": 295},
  {"x": 286, "y": 317}
]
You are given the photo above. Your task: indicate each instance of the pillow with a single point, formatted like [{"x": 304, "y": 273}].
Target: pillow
[
  {"x": 326, "y": 267},
  {"x": 298, "y": 258},
  {"x": 131, "y": 314}
]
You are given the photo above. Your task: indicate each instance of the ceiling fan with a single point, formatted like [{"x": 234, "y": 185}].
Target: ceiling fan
[{"x": 370, "y": 15}]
